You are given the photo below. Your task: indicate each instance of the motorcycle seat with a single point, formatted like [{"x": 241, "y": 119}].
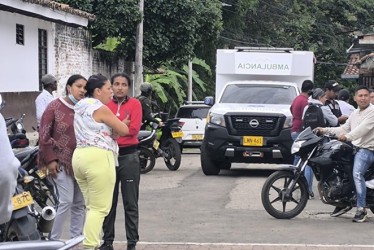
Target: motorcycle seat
[
  {"x": 143, "y": 134},
  {"x": 22, "y": 153}
]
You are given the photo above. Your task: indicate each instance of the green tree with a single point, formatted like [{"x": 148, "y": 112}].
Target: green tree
[
  {"x": 325, "y": 27},
  {"x": 171, "y": 86},
  {"x": 172, "y": 29}
]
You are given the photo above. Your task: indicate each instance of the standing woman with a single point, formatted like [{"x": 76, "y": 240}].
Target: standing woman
[
  {"x": 95, "y": 157},
  {"x": 56, "y": 146}
]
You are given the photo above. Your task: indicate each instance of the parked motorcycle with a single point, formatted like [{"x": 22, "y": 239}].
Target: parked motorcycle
[
  {"x": 285, "y": 192},
  {"x": 41, "y": 188},
  {"x": 17, "y": 137},
  {"x": 26, "y": 222},
  {"x": 167, "y": 143},
  {"x": 146, "y": 139}
]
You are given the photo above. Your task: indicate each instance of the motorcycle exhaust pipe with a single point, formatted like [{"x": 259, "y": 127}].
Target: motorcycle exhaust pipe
[{"x": 47, "y": 218}]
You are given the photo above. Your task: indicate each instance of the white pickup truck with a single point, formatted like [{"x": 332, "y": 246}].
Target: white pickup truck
[{"x": 251, "y": 119}]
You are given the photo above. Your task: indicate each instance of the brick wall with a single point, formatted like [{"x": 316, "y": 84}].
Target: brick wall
[
  {"x": 108, "y": 64},
  {"x": 73, "y": 53}
]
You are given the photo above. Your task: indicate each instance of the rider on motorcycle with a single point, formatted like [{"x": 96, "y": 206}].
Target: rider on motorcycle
[
  {"x": 358, "y": 129},
  {"x": 146, "y": 91},
  {"x": 8, "y": 172}
]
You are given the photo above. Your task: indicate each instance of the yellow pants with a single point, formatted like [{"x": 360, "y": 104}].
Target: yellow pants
[{"x": 95, "y": 173}]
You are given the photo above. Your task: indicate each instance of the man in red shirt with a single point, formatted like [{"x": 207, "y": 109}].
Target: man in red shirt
[
  {"x": 297, "y": 109},
  {"x": 128, "y": 171}
]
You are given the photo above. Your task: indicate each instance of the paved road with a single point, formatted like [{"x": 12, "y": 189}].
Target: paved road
[{"x": 187, "y": 210}]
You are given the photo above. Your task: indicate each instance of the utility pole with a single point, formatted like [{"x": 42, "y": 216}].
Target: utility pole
[
  {"x": 138, "y": 78},
  {"x": 189, "y": 80}
]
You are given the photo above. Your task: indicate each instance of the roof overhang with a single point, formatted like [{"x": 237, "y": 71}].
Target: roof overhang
[{"x": 48, "y": 10}]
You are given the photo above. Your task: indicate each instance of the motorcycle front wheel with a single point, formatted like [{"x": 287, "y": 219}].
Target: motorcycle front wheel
[
  {"x": 174, "y": 155},
  {"x": 147, "y": 160},
  {"x": 279, "y": 200}
]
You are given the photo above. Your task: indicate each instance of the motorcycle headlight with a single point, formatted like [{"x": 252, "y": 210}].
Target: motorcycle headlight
[
  {"x": 217, "y": 119},
  {"x": 296, "y": 146},
  {"x": 288, "y": 122}
]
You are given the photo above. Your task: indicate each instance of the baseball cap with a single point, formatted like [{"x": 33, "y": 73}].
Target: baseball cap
[
  {"x": 333, "y": 85},
  {"x": 343, "y": 95},
  {"x": 48, "y": 79}
]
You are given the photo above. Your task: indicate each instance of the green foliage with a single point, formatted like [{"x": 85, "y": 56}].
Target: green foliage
[
  {"x": 325, "y": 27},
  {"x": 171, "y": 87}
]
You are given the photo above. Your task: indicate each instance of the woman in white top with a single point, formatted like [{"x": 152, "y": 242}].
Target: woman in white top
[{"x": 94, "y": 159}]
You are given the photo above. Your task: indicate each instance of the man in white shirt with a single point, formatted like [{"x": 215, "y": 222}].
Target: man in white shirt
[
  {"x": 358, "y": 129},
  {"x": 343, "y": 101},
  {"x": 49, "y": 84}
]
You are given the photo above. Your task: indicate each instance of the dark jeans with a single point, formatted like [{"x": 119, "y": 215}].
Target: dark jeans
[{"x": 128, "y": 173}]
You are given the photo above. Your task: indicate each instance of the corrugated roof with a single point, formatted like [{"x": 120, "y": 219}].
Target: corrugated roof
[{"x": 62, "y": 7}]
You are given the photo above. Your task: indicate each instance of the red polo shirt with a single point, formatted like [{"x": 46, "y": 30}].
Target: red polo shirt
[{"x": 133, "y": 108}]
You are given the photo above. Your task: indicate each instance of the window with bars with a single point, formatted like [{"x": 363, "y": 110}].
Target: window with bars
[
  {"x": 43, "y": 48},
  {"x": 20, "y": 34}
]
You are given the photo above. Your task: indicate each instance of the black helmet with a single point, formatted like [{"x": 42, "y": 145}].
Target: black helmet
[{"x": 146, "y": 87}]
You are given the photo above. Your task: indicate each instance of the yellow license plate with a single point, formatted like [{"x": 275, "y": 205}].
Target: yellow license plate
[
  {"x": 197, "y": 137},
  {"x": 253, "y": 141},
  {"x": 177, "y": 134},
  {"x": 40, "y": 174},
  {"x": 156, "y": 144},
  {"x": 22, "y": 200}
]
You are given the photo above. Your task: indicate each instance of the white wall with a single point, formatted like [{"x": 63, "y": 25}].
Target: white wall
[{"x": 19, "y": 63}]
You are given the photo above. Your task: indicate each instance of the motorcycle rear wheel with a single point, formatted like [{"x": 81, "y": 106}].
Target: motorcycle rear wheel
[
  {"x": 147, "y": 160},
  {"x": 173, "y": 150},
  {"x": 275, "y": 200}
]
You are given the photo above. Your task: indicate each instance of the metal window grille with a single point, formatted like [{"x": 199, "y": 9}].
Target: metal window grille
[
  {"x": 43, "y": 49},
  {"x": 20, "y": 34},
  {"x": 367, "y": 80}
]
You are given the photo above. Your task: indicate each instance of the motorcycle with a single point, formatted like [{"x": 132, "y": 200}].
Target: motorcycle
[
  {"x": 167, "y": 143},
  {"x": 17, "y": 137},
  {"x": 26, "y": 222},
  {"x": 41, "y": 188},
  {"x": 146, "y": 140},
  {"x": 285, "y": 192}
]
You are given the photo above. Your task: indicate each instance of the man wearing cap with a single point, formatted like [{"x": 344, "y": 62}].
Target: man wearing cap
[
  {"x": 41, "y": 102},
  {"x": 332, "y": 89},
  {"x": 343, "y": 100}
]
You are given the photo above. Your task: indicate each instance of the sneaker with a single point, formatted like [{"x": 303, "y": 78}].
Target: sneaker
[
  {"x": 360, "y": 215},
  {"x": 370, "y": 184},
  {"x": 340, "y": 210},
  {"x": 311, "y": 194},
  {"x": 106, "y": 246}
]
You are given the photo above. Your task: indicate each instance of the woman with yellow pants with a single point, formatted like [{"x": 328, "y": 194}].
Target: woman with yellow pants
[{"x": 95, "y": 157}]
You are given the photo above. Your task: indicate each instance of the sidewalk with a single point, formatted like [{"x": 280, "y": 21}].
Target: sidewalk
[{"x": 228, "y": 246}]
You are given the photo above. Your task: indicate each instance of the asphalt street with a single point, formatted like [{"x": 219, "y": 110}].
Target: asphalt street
[{"x": 185, "y": 209}]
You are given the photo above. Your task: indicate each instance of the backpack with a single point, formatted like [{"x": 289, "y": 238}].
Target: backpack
[{"x": 313, "y": 117}]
